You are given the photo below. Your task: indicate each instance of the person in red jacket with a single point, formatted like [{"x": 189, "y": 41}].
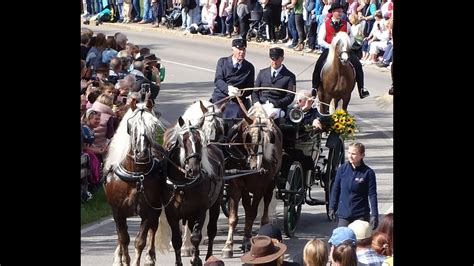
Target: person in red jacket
[{"x": 332, "y": 25}]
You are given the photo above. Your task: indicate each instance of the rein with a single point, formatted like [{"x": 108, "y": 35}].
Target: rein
[{"x": 315, "y": 100}]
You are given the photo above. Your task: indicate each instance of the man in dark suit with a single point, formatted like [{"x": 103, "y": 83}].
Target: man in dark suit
[
  {"x": 233, "y": 73},
  {"x": 276, "y": 76}
]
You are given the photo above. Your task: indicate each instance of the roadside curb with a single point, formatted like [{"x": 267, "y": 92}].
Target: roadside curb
[{"x": 93, "y": 225}]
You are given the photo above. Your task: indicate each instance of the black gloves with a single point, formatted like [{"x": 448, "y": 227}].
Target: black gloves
[
  {"x": 332, "y": 215},
  {"x": 374, "y": 222}
]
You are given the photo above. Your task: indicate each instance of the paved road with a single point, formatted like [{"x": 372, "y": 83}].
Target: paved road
[{"x": 190, "y": 63}]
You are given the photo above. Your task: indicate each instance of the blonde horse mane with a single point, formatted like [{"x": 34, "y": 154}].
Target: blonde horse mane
[
  {"x": 120, "y": 143},
  {"x": 344, "y": 44}
]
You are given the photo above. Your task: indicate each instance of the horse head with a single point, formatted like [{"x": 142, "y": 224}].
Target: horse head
[
  {"x": 340, "y": 46},
  {"x": 142, "y": 128},
  {"x": 258, "y": 137},
  {"x": 189, "y": 141}
]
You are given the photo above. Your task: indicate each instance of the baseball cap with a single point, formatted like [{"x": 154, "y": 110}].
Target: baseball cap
[
  {"x": 342, "y": 234},
  {"x": 270, "y": 231},
  {"x": 361, "y": 229}
]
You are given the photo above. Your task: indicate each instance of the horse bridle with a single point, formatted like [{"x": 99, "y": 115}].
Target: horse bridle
[
  {"x": 189, "y": 129},
  {"x": 259, "y": 153},
  {"x": 213, "y": 114},
  {"x": 150, "y": 154},
  {"x": 340, "y": 56}
]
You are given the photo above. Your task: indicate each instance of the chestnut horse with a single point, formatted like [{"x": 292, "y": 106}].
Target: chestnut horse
[
  {"x": 135, "y": 164},
  {"x": 261, "y": 148},
  {"x": 194, "y": 185},
  {"x": 337, "y": 76}
]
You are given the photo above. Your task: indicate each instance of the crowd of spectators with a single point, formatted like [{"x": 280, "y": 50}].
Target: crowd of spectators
[
  {"x": 295, "y": 23},
  {"x": 113, "y": 71}
]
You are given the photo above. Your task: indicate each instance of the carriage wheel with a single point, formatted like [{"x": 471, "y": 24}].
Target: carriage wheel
[
  {"x": 225, "y": 201},
  {"x": 249, "y": 36},
  {"x": 294, "y": 200},
  {"x": 334, "y": 160}
]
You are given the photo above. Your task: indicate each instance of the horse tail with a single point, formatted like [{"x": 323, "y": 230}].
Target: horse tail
[
  {"x": 384, "y": 101},
  {"x": 163, "y": 235}
]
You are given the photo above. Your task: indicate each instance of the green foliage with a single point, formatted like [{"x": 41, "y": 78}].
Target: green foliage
[
  {"x": 96, "y": 208},
  {"x": 159, "y": 136}
]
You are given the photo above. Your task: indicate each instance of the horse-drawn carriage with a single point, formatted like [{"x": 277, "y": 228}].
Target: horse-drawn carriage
[
  {"x": 145, "y": 178},
  {"x": 304, "y": 163}
]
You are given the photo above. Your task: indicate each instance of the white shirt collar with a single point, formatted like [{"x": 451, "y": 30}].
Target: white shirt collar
[
  {"x": 275, "y": 70},
  {"x": 234, "y": 61}
]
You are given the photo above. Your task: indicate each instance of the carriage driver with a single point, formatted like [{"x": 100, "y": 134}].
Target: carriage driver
[
  {"x": 277, "y": 76},
  {"x": 327, "y": 32},
  {"x": 233, "y": 73}
]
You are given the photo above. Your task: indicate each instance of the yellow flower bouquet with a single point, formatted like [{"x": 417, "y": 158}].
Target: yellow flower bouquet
[{"x": 343, "y": 123}]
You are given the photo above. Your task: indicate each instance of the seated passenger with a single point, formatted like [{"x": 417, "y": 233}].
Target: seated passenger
[{"x": 311, "y": 115}]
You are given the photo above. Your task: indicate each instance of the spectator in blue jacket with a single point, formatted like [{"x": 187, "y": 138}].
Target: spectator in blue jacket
[{"x": 353, "y": 187}]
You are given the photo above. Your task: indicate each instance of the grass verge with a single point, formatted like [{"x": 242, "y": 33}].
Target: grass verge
[{"x": 96, "y": 208}]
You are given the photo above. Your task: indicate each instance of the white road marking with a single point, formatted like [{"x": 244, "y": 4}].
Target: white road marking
[{"x": 190, "y": 66}]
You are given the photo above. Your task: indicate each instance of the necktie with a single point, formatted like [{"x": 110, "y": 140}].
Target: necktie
[
  {"x": 274, "y": 74},
  {"x": 236, "y": 67}
]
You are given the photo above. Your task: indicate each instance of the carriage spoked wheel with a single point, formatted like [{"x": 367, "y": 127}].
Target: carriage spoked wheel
[
  {"x": 294, "y": 198},
  {"x": 334, "y": 160},
  {"x": 249, "y": 36},
  {"x": 259, "y": 38}
]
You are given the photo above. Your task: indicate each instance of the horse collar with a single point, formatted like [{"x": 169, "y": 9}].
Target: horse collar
[{"x": 128, "y": 176}]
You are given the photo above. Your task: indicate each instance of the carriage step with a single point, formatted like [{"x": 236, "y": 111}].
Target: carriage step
[{"x": 314, "y": 202}]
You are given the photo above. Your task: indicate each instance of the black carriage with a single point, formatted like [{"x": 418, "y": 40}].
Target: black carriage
[{"x": 305, "y": 163}]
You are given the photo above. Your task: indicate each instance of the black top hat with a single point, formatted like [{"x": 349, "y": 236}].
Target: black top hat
[
  {"x": 335, "y": 6},
  {"x": 239, "y": 43},
  {"x": 276, "y": 52}
]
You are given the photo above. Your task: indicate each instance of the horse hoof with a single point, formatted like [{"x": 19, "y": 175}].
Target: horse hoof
[{"x": 227, "y": 253}]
